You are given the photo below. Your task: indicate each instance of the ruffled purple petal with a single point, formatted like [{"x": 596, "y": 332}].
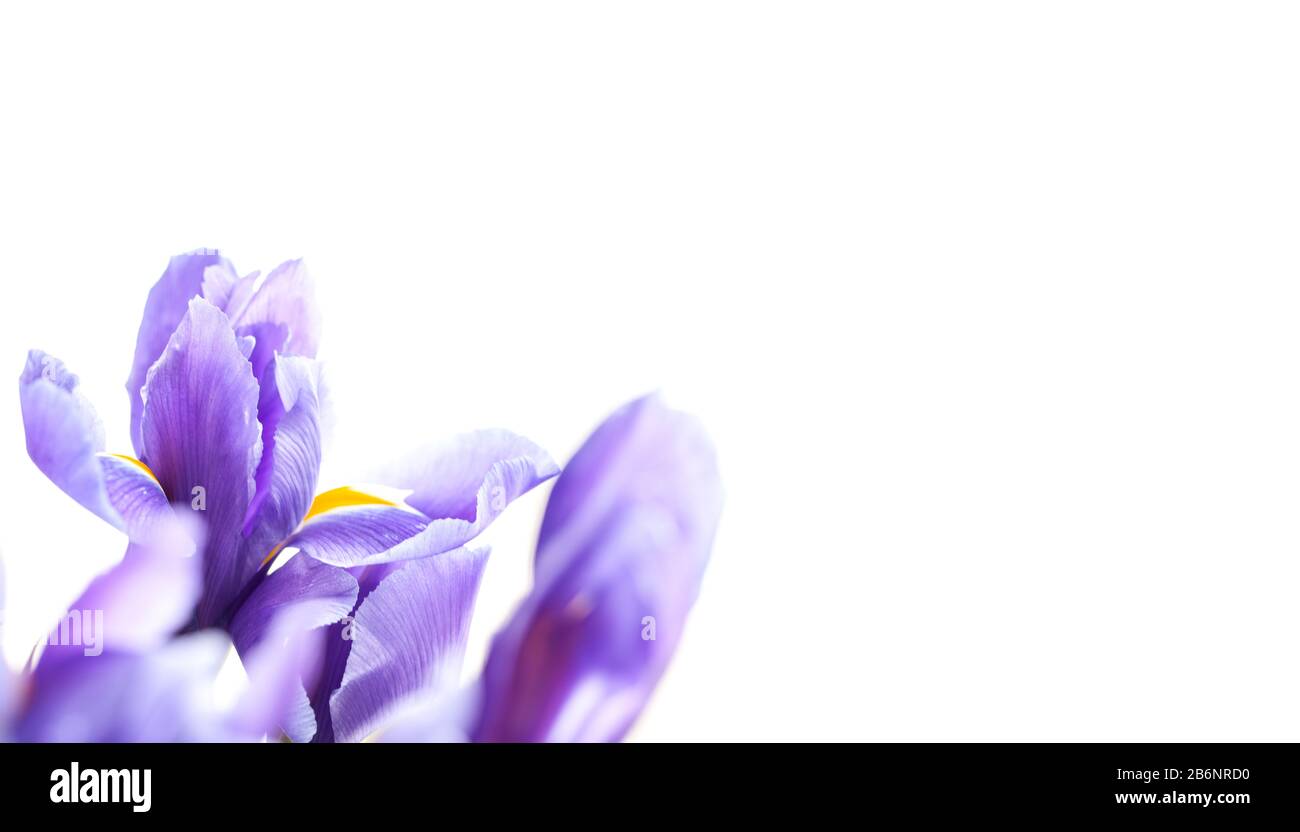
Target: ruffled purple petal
[
  {"x": 202, "y": 440},
  {"x": 167, "y": 304},
  {"x": 623, "y": 547},
  {"x": 408, "y": 636},
  {"x": 462, "y": 486}
]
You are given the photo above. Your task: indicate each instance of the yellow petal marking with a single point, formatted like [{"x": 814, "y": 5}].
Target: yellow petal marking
[
  {"x": 137, "y": 462},
  {"x": 335, "y": 498},
  {"x": 342, "y": 498}
]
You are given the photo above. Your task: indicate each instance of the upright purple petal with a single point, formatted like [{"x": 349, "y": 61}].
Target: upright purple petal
[
  {"x": 623, "y": 547},
  {"x": 285, "y": 482},
  {"x": 286, "y": 298},
  {"x": 226, "y": 290},
  {"x": 202, "y": 440},
  {"x": 163, "y": 311},
  {"x": 408, "y": 637}
]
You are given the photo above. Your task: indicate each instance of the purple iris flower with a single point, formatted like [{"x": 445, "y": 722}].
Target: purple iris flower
[
  {"x": 622, "y": 549},
  {"x": 226, "y": 413},
  {"x": 138, "y": 684}
]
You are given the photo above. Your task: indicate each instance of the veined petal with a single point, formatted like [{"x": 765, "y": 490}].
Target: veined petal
[
  {"x": 65, "y": 440},
  {"x": 135, "y": 494},
  {"x": 290, "y": 412},
  {"x": 202, "y": 440},
  {"x": 322, "y": 593},
  {"x": 623, "y": 546},
  {"x": 167, "y": 304},
  {"x": 461, "y": 486},
  {"x": 408, "y": 636},
  {"x": 355, "y": 535}
]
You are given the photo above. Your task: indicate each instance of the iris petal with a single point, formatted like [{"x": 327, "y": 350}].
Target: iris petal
[
  {"x": 202, "y": 439},
  {"x": 623, "y": 547},
  {"x": 409, "y": 637},
  {"x": 167, "y": 304},
  {"x": 459, "y": 487},
  {"x": 65, "y": 441}
]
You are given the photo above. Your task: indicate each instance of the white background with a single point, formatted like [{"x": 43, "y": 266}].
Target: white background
[{"x": 992, "y": 310}]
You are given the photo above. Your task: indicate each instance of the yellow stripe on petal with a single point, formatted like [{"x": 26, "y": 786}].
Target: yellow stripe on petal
[
  {"x": 137, "y": 462},
  {"x": 342, "y": 498},
  {"x": 335, "y": 498}
]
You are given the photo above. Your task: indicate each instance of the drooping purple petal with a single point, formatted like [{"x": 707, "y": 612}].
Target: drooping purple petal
[
  {"x": 461, "y": 486},
  {"x": 167, "y": 304},
  {"x": 202, "y": 440},
  {"x": 136, "y": 495},
  {"x": 353, "y": 534},
  {"x": 65, "y": 440},
  {"x": 408, "y": 636},
  {"x": 623, "y": 546},
  {"x": 64, "y": 435}
]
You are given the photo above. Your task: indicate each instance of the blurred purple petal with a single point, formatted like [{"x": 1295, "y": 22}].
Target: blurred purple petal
[
  {"x": 202, "y": 440},
  {"x": 290, "y": 652},
  {"x": 623, "y": 546},
  {"x": 135, "y": 606},
  {"x": 162, "y": 695}
]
